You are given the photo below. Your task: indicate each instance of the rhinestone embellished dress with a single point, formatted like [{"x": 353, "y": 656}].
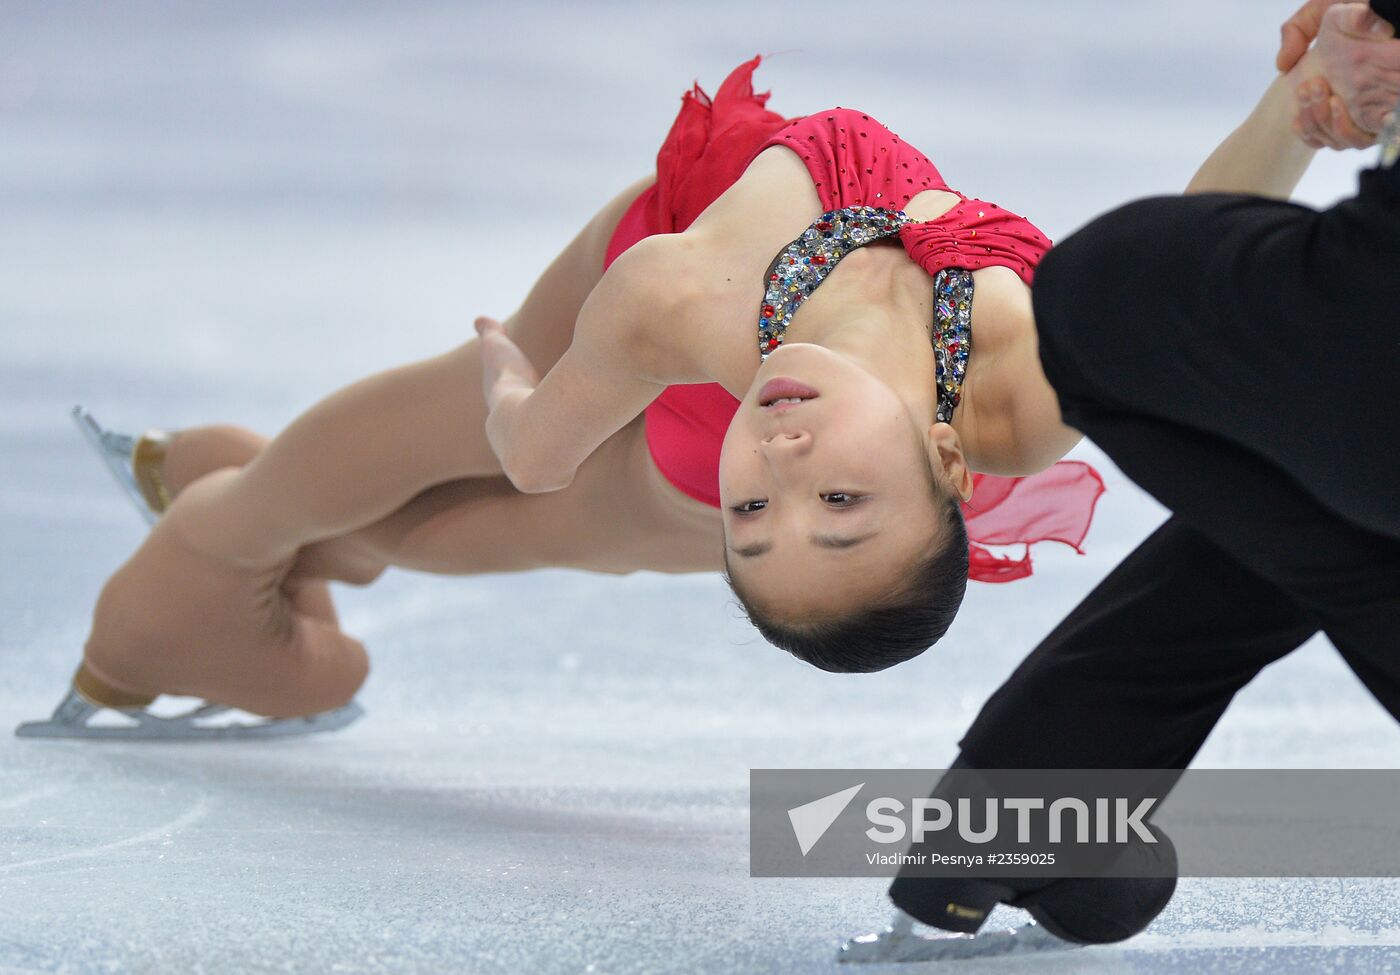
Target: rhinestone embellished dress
[
  {"x": 864, "y": 175},
  {"x": 805, "y": 263}
]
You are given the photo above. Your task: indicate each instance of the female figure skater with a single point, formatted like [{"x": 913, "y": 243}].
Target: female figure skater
[{"x": 842, "y": 470}]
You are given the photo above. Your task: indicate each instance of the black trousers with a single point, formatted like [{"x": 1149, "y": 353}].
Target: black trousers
[{"x": 1240, "y": 360}]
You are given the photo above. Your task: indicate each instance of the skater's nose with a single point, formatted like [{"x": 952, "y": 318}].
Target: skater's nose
[
  {"x": 784, "y": 454},
  {"x": 785, "y": 446}
]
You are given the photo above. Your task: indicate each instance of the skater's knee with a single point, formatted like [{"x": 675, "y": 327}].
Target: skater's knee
[
  {"x": 196, "y": 451},
  {"x": 238, "y": 439}
]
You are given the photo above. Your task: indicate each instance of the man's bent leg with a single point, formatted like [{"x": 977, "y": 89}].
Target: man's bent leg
[
  {"x": 1344, "y": 579},
  {"x": 1135, "y": 677},
  {"x": 1141, "y": 670}
]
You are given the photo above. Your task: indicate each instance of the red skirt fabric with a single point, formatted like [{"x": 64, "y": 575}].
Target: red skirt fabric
[{"x": 854, "y": 160}]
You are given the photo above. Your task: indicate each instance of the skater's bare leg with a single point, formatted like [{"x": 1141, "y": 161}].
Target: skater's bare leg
[
  {"x": 313, "y": 665},
  {"x": 195, "y": 451},
  {"x": 366, "y": 450},
  {"x": 543, "y": 327},
  {"x": 177, "y": 620},
  {"x": 214, "y": 603},
  {"x": 238, "y": 636},
  {"x": 619, "y": 515},
  {"x": 311, "y": 597}
]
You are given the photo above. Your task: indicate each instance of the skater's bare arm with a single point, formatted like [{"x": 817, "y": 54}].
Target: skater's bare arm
[
  {"x": 1263, "y": 155},
  {"x": 543, "y": 429}
]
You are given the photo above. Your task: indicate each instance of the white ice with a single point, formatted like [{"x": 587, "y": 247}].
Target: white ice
[{"x": 222, "y": 212}]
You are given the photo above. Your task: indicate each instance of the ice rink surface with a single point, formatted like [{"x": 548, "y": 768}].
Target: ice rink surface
[{"x": 223, "y": 212}]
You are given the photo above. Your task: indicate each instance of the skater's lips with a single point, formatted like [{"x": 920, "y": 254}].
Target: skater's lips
[{"x": 784, "y": 388}]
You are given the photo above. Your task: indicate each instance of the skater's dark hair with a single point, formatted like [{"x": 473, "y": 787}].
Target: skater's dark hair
[{"x": 886, "y": 632}]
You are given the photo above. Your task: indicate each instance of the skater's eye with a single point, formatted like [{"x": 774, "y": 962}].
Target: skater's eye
[
  {"x": 749, "y": 507},
  {"x": 842, "y": 499}
]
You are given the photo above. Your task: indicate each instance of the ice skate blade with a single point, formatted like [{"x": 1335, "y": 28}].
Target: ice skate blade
[
  {"x": 114, "y": 449},
  {"x": 897, "y": 944},
  {"x": 72, "y": 716}
]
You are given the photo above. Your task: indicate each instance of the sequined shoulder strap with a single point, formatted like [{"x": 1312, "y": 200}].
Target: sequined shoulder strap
[
  {"x": 804, "y": 264},
  {"x": 952, "y": 336}
]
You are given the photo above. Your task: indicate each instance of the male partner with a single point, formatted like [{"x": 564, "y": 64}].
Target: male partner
[{"x": 1239, "y": 358}]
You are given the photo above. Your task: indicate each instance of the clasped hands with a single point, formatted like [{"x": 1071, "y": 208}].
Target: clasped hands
[{"x": 1349, "y": 81}]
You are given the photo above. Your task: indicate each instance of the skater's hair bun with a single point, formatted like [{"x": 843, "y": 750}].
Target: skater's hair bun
[{"x": 913, "y": 618}]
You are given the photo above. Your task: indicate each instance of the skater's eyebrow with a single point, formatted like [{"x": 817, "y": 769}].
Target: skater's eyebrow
[{"x": 825, "y": 541}]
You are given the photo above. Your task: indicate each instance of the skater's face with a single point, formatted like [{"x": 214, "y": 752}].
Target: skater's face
[{"x": 831, "y": 492}]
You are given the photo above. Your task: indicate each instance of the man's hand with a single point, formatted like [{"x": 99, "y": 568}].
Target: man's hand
[
  {"x": 1322, "y": 120},
  {"x": 1350, "y": 79}
]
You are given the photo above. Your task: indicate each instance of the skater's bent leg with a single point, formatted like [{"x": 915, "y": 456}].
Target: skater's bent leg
[
  {"x": 542, "y": 327},
  {"x": 617, "y": 516},
  {"x": 239, "y": 634},
  {"x": 1345, "y": 580},
  {"x": 195, "y": 451},
  {"x": 242, "y": 548},
  {"x": 366, "y": 450},
  {"x": 311, "y": 597},
  {"x": 1140, "y": 672},
  {"x": 177, "y": 620}
]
